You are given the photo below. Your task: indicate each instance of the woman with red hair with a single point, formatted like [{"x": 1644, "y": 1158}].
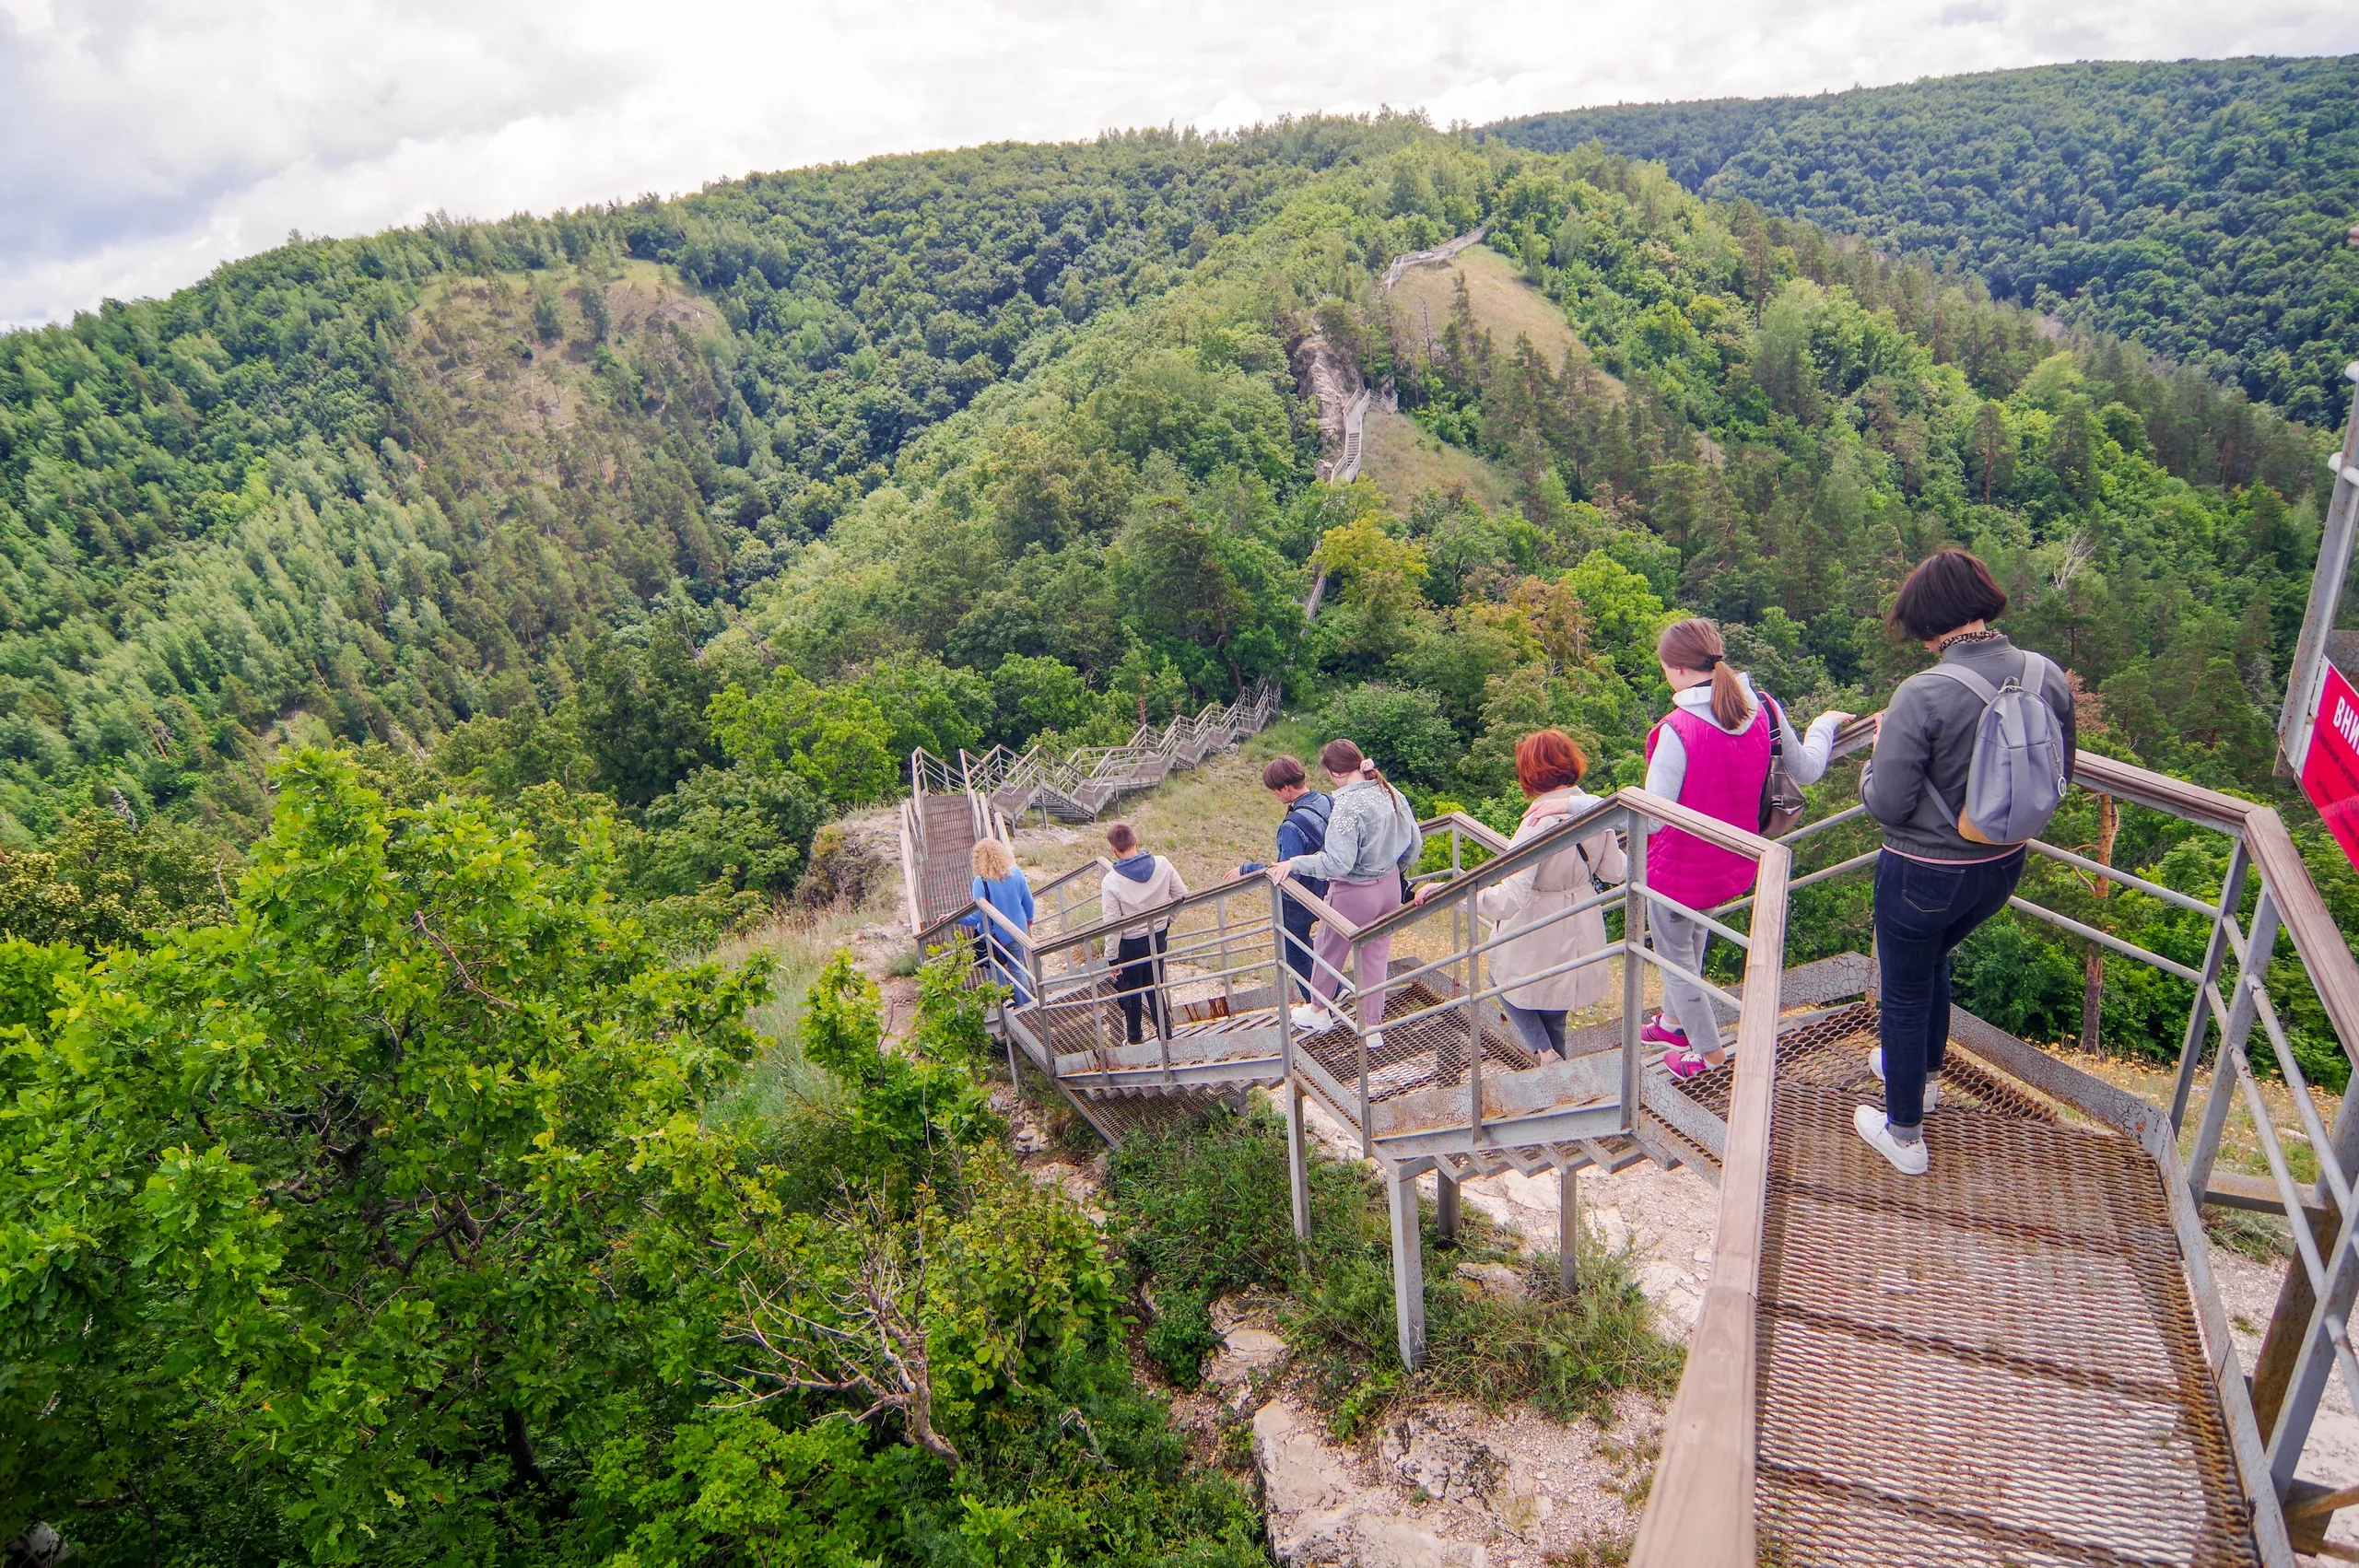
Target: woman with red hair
[{"x": 1549, "y": 766}]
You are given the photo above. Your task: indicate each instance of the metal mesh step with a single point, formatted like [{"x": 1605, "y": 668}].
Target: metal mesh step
[{"x": 1997, "y": 1363}]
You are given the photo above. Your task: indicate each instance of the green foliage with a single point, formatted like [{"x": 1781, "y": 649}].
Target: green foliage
[
  {"x": 642, "y": 711},
  {"x": 2192, "y": 206},
  {"x": 384, "y": 1222},
  {"x": 101, "y": 882},
  {"x": 1029, "y": 694},
  {"x": 1210, "y": 1216},
  {"x": 833, "y": 739},
  {"x": 1403, "y": 729},
  {"x": 973, "y": 1310},
  {"x": 347, "y": 1184},
  {"x": 905, "y": 1114},
  {"x": 741, "y": 826}
]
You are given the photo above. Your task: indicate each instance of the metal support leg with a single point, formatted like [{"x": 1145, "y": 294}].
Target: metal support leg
[
  {"x": 1282, "y": 1010},
  {"x": 2281, "y": 1345},
  {"x": 2323, "y": 1332},
  {"x": 1297, "y": 1163},
  {"x": 1408, "y": 1272},
  {"x": 1445, "y": 1208},
  {"x": 1569, "y": 1228}
]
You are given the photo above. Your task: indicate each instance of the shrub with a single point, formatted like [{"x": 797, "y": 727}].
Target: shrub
[
  {"x": 1404, "y": 730},
  {"x": 1205, "y": 1212}
]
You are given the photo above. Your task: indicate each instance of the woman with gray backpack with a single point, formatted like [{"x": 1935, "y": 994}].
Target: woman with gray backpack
[{"x": 1972, "y": 757}]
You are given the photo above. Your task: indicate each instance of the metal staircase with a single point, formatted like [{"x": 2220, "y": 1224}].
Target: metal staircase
[{"x": 2020, "y": 1358}]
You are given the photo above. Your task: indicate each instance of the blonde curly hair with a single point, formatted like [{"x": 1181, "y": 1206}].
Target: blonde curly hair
[{"x": 993, "y": 860}]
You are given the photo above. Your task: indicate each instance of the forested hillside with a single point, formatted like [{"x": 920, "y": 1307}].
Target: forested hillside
[
  {"x": 416, "y": 650},
  {"x": 2196, "y": 207}
]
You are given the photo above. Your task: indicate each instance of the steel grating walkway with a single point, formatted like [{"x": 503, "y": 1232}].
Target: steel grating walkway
[
  {"x": 945, "y": 869},
  {"x": 1998, "y": 1363}
]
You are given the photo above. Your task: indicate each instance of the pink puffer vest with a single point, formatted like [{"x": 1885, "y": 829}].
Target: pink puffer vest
[{"x": 1725, "y": 774}]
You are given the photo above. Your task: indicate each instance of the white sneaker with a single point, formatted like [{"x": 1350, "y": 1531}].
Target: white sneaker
[
  {"x": 1307, "y": 1019},
  {"x": 1375, "y": 1039},
  {"x": 1908, "y": 1159},
  {"x": 1933, "y": 1088}
]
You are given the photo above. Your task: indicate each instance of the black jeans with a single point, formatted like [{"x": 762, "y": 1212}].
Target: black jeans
[
  {"x": 1136, "y": 961},
  {"x": 1297, "y": 920},
  {"x": 1923, "y": 911}
]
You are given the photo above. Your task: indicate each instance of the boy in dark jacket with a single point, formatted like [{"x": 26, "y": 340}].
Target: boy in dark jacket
[{"x": 1302, "y": 831}]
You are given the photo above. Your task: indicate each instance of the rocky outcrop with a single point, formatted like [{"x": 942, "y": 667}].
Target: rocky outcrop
[
  {"x": 1446, "y": 1485},
  {"x": 1331, "y": 383}
]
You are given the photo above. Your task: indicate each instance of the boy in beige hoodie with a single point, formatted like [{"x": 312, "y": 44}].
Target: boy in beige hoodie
[{"x": 1140, "y": 882}]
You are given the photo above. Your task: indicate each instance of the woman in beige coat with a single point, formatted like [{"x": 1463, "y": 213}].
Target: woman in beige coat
[{"x": 1549, "y": 767}]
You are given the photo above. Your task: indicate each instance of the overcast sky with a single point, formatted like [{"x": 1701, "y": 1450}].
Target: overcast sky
[{"x": 143, "y": 142}]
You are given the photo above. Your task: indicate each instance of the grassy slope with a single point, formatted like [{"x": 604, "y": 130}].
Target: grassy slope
[
  {"x": 1504, "y": 304},
  {"x": 1402, "y": 458},
  {"x": 1404, "y": 461}
]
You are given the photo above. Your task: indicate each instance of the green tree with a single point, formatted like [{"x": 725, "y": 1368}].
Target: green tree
[
  {"x": 1032, "y": 695},
  {"x": 1404, "y": 730},
  {"x": 642, "y": 711},
  {"x": 102, "y": 883},
  {"x": 742, "y": 826},
  {"x": 346, "y": 1186},
  {"x": 833, "y": 738}
]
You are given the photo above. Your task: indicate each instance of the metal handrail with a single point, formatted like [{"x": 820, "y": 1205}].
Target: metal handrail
[{"x": 1708, "y": 1437}]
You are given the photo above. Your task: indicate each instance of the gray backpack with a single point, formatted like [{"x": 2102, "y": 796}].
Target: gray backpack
[{"x": 2017, "y": 776}]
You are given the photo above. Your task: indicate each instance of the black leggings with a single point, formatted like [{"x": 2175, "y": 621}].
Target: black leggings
[{"x": 1136, "y": 960}]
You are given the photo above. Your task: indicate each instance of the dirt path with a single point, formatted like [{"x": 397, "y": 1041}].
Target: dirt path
[{"x": 1333, "y": 383}]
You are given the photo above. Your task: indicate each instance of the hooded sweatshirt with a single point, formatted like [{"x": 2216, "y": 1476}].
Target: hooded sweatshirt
[{"x": 1137, "y": 883}]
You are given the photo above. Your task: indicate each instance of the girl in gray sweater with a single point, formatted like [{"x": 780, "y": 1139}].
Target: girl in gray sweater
[{"x": 1372, "y": 841}]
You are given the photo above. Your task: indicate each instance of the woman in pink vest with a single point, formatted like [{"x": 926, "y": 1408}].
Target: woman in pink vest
[{"x": 1711, "y": 752}]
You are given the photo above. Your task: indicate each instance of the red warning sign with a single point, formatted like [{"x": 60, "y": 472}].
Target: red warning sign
[{"x": 2330, "y": 773}]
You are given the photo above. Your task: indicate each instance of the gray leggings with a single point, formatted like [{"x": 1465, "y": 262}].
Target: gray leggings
[{"x": 1681, "y": 940}]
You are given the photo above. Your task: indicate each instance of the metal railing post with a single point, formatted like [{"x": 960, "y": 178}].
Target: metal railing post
[
  {"x": 1227, "y": 970},
  {"x": 1473, "y": 966},
  {"x": 1281, "y": 987},
  {"x": 1353, "y": 960},
  {"x": 1156, "y": 975},
  {"x": 2259, "y": 945},
  {"x": 1634, "y": 979},
  {"x": 2215, "y": 952}
]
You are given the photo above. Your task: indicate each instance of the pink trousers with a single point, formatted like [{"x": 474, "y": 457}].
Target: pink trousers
[{"x": 1358, "y": 902}]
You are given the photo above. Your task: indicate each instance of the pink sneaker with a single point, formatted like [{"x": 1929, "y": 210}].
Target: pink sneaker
[
  {"x": 1654, "y": 1033},
  {"x": 1685, "y": 1064}
]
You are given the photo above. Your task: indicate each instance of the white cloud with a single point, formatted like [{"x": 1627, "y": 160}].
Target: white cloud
[{"x": 141, "y": 141}]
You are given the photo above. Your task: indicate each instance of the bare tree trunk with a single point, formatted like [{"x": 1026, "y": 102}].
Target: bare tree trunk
[{"x": 2093, "y": 974}]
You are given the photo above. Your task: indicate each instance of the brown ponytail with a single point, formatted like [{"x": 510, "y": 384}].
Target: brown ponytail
[
  {"x": 1340, "y": 756},
  {"x": 1695, "y": 644}
]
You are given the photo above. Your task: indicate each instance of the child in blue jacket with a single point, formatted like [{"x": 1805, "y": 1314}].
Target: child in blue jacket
[{"x": 998, "y": 883}]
